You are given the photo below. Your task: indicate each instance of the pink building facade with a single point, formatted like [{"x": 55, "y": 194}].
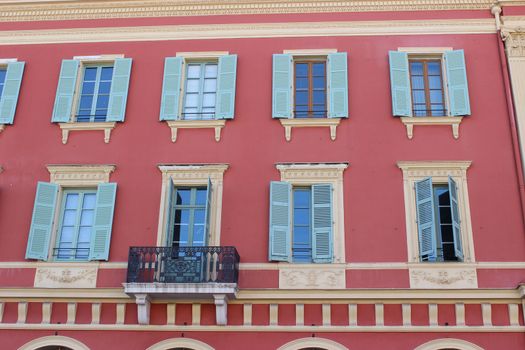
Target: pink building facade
[{"x": 263, "y": 175}]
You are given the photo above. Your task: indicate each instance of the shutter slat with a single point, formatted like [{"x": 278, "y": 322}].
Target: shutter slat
[
  {"x": 456, "y": 224},
  {"x": 457, "y": 83},
  {"x": 400, "y": 84},
  {"x": 338, "y": 85},
  {"x": 225, "y": 107},
  {"x": 118, "y": 94},
  {"x": 67, "y": 81},
  {"x": 426, "y": 220},
  {"x": 322, "y": 222},
  {"x": 42, "y": 221},
  {"x": 9, "y": 98},
  {"x": 282, "y": 86},
  {"x": 280, "y": 221},
  {"x": 171, "y": 88},
  {"x": 103, "y": 221}
]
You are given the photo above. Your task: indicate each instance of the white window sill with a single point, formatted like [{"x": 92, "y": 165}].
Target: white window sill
[
  {"x": 288, "y": 124},
  {"x": 409, "y": 123},
  {"x": 217, "y": 125},
  {"x": 103, "y": 126}
]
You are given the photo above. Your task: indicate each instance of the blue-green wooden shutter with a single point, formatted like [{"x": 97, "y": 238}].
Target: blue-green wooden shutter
[
  {"x": 280, "y": 221},
  {"x": 101, "y": 234},
  {"x": 65, "y": 91},
  {"x": 118, "y": 94},
  {"x": 322, "y": 221},
  {"x": 169, "y": 212},
  {"x": 457, "y": 82},
  {"x": 426, "y": 224},
  {"x": 338, "y": 85},
  {"x": 454, "y": 208},
  {"x": 42, "y": 221},
  {"x": 226, "y": 87},
  {"x": 282, "y": 86},
  {"x": 400, "y": 84},
  {"x": 207, "y": 213},
  {"x": 171, "y": 88},
  {"x": 9, "y": 97}
]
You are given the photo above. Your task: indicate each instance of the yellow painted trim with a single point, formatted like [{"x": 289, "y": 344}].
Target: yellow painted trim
[
  {"x": 76, "y": 126},
  {"x": 331, "y": 123},
  {"x": 54, "y": 340}
]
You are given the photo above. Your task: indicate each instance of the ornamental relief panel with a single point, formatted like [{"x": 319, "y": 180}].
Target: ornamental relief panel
[
  {"x": 66, "y": 277},
  {"x": 312, "y": 278},
  {"x": 443, "y": 278}
]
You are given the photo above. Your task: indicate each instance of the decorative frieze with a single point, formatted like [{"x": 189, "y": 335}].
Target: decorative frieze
[
  {"x": 449, "y": 278},
  {"x": 66, "y": 277},
  {"x": 312, "y": 278}
]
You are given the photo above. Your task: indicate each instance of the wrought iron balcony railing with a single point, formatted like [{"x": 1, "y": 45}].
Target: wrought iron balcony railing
[{"x": 183, "y": 265}]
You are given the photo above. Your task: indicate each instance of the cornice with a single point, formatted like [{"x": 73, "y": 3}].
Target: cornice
[{"x": 74, "y": 10}]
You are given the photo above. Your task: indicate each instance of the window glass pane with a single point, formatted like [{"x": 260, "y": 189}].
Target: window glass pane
[
  {"x": 192, "y": 100},
  {"x": 318, "y": 69},
  {"x": 434, "y": 82},
  {"x": 208, "y": 100},
  {"x": 301, "y": 198},
  {"x": 301, "y": 235},
  {"x": 416, "y": 68},
  {"x": 210, "y": 71},
  {"x": 189, "y": 113},
  {"x": 88, "y": 88},
  {"x": 2, "y": 75},
  {"x": 89, "y": 200},
  {"x": 436, "y": 96},
  {"x": 84, "y": 235},
  {"x": 180, "y": 234},
  {"x": 301, "y": 70},
  {"x": 198, "y": 235},
  {"x": 87, "y": 217},
  {"x": 194, "y": 71},
  {"x": 418, "y": 83},
  {"x": 192, "y": 85},
  {"x": 107, "y": 73},
  {"x": 183, "y": 196},
  {"x": 301, "y": 216},
  {"x": 71, "y": 200},
  {"x": 66, "y": 236},
  {"x": 444, "y": 215},
  {"x": 319, "y": 97},
  {"x": 90, "y": 74},
  {"x": 102, "y": 102},
  {"x": 418, "y": 96},
  {"x": 104, "y": 87},
  {"x": 198, "y": 216},
  {"x": 301, "y": 83},
  {"x": 434, "y": 68},
  {"x": 319, "y": 82},
  {"x": 201, "y": 196},
  {"x": 85, "y": 103},
  {"x": 301, "y": 98},
  {"x": 210, "y": 85},
  {"x": 437, "y": 110}
]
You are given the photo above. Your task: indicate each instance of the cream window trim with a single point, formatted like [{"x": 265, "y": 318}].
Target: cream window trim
[
  {"x": 212, "y": 55},
  {"x": 439, "y": 171},
  {"x": 424, "y": 50},
  {"x": 98, "y": 58},
  {"x": 409, "y": 123},
  {"x": 316, "y": 342},
  {"x": 192, "y": 175},
  {"x": 54, "y": 340},
  {"x": 215, "y": 124},
  {"x": 310, "y": 52},
  {"x": 180, "y": 343},
  {"x": 6, "y": 61},
  {"x": 75, "y": 126},
  {"x": 331, "y": 123},
  {"x": 447, "y": 343},
  {"x": 310, "y": 174}
]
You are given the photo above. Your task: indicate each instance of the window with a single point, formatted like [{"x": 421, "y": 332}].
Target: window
[
  {"x": 73, "y": 214},
  {"x": 310, "y": 89},
  {"x": 92, "y": 94},
  {"x": 306, "y": 214},
  {"x": 200, "y": 91},
  {"x": 426, "y": 81},
  {"x": 437, "y": 211},
  {"x": 10, "y": 80}
]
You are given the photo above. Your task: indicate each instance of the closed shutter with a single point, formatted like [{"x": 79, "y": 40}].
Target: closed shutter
[
  {"x": 400, "y": 84},
  {"x": 42, "y": 221},
  {"x": 457, "y": 83},
  {"x": 118, "y": 94},
  {"x": 67, "y": 81},
  {"x": 9, "y": 98},
  {"x": 101, "y": 234},
  {"x": 280, "y": 221},
  {"x": 322, "y": 232},
  {"x": 226, "y": 87},
  {"x": 282, "y": 86},
  {"x": 425, "y": 220},
  {"x": 171, "y": 88},
  {"x": 456, "y": 222},
  {"x": 207, "y": 213},
  {"x": 338, "y": 85}
]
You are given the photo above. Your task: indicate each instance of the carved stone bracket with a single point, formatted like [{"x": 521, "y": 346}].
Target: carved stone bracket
[
  {"x": 221, "y": 309},
  {"x": 104, "y": 126},
  {"x": 217, "y": 125},
  {"x": 288, "y": 124},
  {"x": 143, "y": 308},
  {"x": 409, "y": 123}
]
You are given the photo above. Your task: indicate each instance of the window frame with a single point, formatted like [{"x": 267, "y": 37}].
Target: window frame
[
  {"x": 191, "y": 223},
  {"x": 425, "y": 60},
  {"x": 79, "y": 89},
  {"x": 310, "y": 60},
  {"x": 184, "y": 87}
]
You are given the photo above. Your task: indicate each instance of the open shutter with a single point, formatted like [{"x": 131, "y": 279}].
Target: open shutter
[
  {"x": 118, "y": 94},
  {"x": 322, "y": 241},
  {"x": 280, "y": 221},
  {"x": 42, "y": 221},
  {"x": 207, "y": 213},
  {"x": 400, "y": 84},
  {"x": 282, "y": 86},
  {"x": 9, "y": 97},
  {"x": 457, "y": 82},
  {"x": 101, "y": 234},
  {"x": 169, "y": 214},
  {"x": 226, "y": 87},
  {"x": 65, "y": 91},
  {"x": 338, "y": 85},
  {"x": 171, "y": 88},
  {"x": 425, "y": 220},
  {"x": 456, "y": 228}
]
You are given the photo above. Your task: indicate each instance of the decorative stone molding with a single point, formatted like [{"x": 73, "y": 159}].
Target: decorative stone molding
[
  {"x": 54, "y": 340},
  {"x": 80, "y": 175},
  {"x": 221, "y": 309},
  {"x": 143, "y": 308},
  {"x": 409, "y": 123},
  {"x": 102, "y": 126},
  {"x": 181, "y": 343},
  {"x": 448, "y": 343},
  {"x": 443, "y": 277},
  {"x": 66, "y": 277},
  {"x": 312, "y": 276},
  {"x": 288, "y": 124},
  {"x": 217, "y": 125},
  {"x": 312, "y": 343}
]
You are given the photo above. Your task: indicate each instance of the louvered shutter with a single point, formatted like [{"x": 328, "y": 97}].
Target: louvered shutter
[
  {"x": 207, "y": 213},
  {"x": 101, "y": 234},
  {"x": 118, "y": 94},
  {"x": 9, "y": 98},
  {"x": 282, "y": 86},
  {"x": 456, "y": 227},
  {"x": 227, "y": 75},
  {"x": 425, "y": 220},
  {"x": 400, "y": 84},
  {"x": 322, "y": 221},
  {"x": 67, "y": 81},
  {"x": 338, "y": 85},
  {"x": 169, "y": 213},
  {"x": 280, "y": 221},
  {"x": 171, "y": 88},
  {"x": 457, "y": 83},
  {"x": 42, "y": 221}
]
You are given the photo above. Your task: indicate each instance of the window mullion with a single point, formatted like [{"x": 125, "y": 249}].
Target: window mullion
[
  {"x": 191, "y": 222},
  {"x": 427, "y": 89},
  {"x": 77, "y": 223},
  {"x": 201, "y": 91},
  {"x": 310, "y": 89},
  {"x": 95, "y": 95}
]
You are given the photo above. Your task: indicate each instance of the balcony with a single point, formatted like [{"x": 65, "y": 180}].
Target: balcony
[{"x": 182, "y": 273}]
